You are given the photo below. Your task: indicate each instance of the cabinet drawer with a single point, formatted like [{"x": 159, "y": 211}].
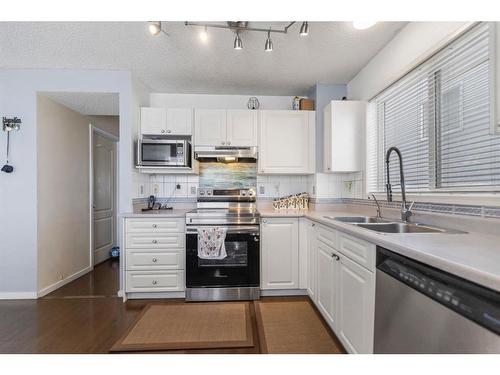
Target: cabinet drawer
[
  {"x": 155, "y": 240},
  {"x": 138, "y": 259},
  {"x": 154, "y": 281},
  {"x": 358, "y": 250},
  {"x": 327, "y": 235},
  {"x": 160, "y": 225}
]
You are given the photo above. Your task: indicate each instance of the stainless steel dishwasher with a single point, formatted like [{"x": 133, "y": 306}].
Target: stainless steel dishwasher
[{"x": 420, "y": 309}]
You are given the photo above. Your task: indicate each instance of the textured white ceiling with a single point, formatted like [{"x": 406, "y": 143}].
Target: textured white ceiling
[
  {"x": 332, "y": 53},
  {"x": 88, "y": 103}
]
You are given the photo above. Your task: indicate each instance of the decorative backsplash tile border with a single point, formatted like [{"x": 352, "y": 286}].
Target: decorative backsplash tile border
[{"x": 442, "y": 208}]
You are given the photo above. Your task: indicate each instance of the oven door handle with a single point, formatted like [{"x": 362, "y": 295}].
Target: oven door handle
[{"x": 232, "y": 229}]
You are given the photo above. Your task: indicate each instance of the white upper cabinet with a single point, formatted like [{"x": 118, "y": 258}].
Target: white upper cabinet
[
  {"x": 166, "y": 121},
  {"x": 280, "y": 253},
  {"x": 241, "y": 128},
  {"x": 153, "y": 121},
  {"x": 180, "y": 121},
  {"x": 210, "y": 127},
  {"x": 220, "y": 127},
  {"x": 356, "y": 307},
  {"x": 286, "y": 142},
  {"x": 344, "y": 122}
]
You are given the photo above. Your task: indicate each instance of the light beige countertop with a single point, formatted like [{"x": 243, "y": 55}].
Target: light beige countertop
[
  {"x": 473, "y": 256},
  {"x": 174, "y": 213}
]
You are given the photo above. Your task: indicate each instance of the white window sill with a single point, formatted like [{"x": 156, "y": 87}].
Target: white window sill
[{"x": 476, "y": 199}]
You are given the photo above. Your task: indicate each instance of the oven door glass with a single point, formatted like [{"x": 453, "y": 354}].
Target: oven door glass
[
  {"x": 159, "y": 153},
  {"x": 239, "y": 268}
]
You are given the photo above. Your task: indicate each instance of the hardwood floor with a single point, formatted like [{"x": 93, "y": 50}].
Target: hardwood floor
[{"x": 84, "y": 316}]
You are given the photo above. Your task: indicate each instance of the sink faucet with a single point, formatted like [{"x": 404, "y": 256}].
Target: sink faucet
[
  {"x": 405, "y": 209},
  {"x": 379, "y": 213}
]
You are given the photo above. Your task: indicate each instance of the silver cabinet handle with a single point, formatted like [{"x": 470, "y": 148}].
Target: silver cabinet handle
[
  {"x": 154, "y": 282},
  {"x": 154, "y": 225},
  {"x": 154, "y": 260},
  {"x": 155, "y": 241}
]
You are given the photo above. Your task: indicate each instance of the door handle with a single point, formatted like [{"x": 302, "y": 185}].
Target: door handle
[{"x": 335, "y": 256}]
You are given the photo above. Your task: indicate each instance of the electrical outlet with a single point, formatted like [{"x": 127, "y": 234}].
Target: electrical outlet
[
  {"x": 348, "y": 185},
  {"x": 314, "y": 189},
  {"x": 156, "y": 189},
  {"x": 276, "y": 187},
  {"x": 141, "y": 190},
  {"x": 193, "y": 190},
  {"x": 262, "y": 190}
]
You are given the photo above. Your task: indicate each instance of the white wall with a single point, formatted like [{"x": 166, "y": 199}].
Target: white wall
[
  {"x": 218, "y": 101},
  {"x": 18, "y": 190},
  {"x": 411, "y": 45},
  {"x": 63, "y": 194}
]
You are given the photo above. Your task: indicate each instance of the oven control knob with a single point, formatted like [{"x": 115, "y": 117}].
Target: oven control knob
[
  {"x": 243, "y": 193},
  {"x": 201, "y": 192},
  {"x": 209, "y": 192}
]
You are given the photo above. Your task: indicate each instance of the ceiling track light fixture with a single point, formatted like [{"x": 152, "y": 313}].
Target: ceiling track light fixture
[
  {"x": 269, "y": 43},
  {"x": 240, "y": 26}
]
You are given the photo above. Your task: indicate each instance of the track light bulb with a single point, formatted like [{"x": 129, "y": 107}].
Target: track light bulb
[
  {"x": 154, "y": 27},
  {"x": 204, "y": 35},
  {"x": 362, "y": 25},
  {"x": 304, "y": 29}
]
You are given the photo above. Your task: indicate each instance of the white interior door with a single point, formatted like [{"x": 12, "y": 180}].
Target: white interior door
[{"x": 104, "y": 233}]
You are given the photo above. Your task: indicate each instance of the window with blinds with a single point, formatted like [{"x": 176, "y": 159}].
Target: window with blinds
[{"x": 439, "y": 116}]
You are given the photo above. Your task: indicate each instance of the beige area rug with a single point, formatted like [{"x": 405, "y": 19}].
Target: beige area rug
[
  {"x": 293, "y": 327},
  {"x": 189, "y": 326}
]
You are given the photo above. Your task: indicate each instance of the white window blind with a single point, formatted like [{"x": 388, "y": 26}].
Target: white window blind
[{"x": 439, "y": 116}]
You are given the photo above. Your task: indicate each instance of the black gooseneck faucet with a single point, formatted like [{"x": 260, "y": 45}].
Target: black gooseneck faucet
[{"x": 405, "y": 210}]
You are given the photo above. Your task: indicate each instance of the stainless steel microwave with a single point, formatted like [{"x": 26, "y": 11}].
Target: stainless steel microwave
[{"x": 163, "y": 153}]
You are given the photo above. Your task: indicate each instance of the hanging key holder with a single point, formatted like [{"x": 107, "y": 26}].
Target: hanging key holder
[{"x": 9, "y": 125}]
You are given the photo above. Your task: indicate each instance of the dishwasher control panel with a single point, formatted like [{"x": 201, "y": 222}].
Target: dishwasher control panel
[{"x": 470, "y": 300}]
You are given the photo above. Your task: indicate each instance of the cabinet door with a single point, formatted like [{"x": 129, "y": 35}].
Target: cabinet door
[
  {"x": 286, "y": 142},
  {"x": 279, "y": 253},
  {"x": 344, "y": 122},
  {"x": 153, "y": 121},
  {"x": 180, "y": 121},
  {"x": 356, "y": 307},
  {"x": 312, "y": 254},
  {"x": 210, "y": 127},
  {"x": 242, "y": 128},
  {"x": 327, "y": 271}
]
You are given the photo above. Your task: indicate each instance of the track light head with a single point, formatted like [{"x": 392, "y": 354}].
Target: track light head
[
  {"x": 154, "y": 27},
  {"x": 304, "y": 29},
  {"x": 269, "y": 43},
  {"x": 238, "y": 44}
]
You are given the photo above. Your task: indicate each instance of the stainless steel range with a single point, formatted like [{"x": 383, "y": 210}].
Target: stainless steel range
[{"x": 237, "y": 276}]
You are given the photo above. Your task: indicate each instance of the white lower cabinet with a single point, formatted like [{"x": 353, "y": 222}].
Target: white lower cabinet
[
  {"x": 341, "y": 283},
  {"x": 356, "y": 306},
  {"x": 327, "y": 279},
  {"x": 154, "y": 256},
  {"x": 280, "y": 253}
]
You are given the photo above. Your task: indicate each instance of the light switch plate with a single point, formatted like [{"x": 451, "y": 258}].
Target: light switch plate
[
  {"x": 262, "y": 189},
  {"x": 193, "y": 190}
]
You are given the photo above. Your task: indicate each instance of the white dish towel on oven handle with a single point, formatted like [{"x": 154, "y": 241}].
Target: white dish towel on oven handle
[{"x": 211, "y": 243}]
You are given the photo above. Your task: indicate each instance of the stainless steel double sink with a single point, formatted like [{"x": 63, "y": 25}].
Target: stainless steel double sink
[{"x": 389, "y": 226}]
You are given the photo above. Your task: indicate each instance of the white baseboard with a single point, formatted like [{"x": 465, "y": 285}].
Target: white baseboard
[
  {"x": 18, "y": 295},
  {"x": 60, "y": 283},
  {"x": 283, "y": 292}
]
